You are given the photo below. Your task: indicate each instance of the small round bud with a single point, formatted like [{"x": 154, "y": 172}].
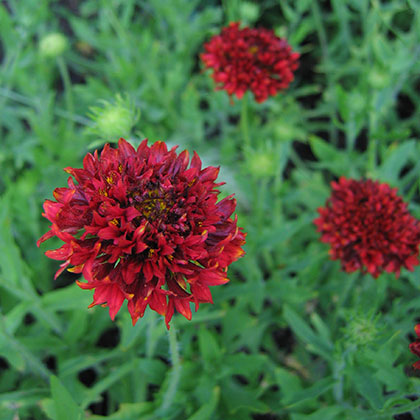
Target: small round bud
[
  {"x": 262, "y": 165},
  {"x": 362, "y": 330},
  {"x": 378, "y": 78},
  {"x": 53, "y": 45},
  {"x": 284, "y": 132},
  {"x": 114, "y": 120}
]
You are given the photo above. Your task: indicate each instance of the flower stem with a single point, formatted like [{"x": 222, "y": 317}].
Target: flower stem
[
  {"x": 372, "y": 148},
  {"x": 64, "y": 73},
  {"x": 244, "y": 122},
  {"x": 322, "y": 36},
  {"x": 372, "y": 155},
  {"x": 176, "y": 371}
]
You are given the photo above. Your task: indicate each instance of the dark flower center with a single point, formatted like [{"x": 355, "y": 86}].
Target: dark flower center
[{"x": 153, "y": 206}]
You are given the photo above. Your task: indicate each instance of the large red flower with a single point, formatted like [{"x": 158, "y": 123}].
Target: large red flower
[
  {"x": 250, "y": 58},
  {"x": 143, "y": 226},
  {"x": 415, "y": 346},
  {"x": 369, "y": 228}
]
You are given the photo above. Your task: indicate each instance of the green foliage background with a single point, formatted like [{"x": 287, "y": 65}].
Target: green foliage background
[{"x": 291, "y": 336}]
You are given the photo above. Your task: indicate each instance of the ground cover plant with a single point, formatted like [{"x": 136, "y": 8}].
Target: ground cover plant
[{"x": 320, "y": 152}]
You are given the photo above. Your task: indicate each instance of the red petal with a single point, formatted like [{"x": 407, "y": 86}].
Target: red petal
[
  {"x": 45, "y": 237},
  {"x": 61, "y": 253},
  {"x": 125, "y": 149},
  {"x": 212, "y": 278},
  {"x": 183, "y": 307},
  {"x": 158, "y": 302}
]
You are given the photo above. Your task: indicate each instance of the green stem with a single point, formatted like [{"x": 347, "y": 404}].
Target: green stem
[
  {"x": 141, "y": 386},
  {"x": 244, "y": 122},
  {"x": 261, "y": 194},
  {"x": 372, "y": 149},
  {"x": 64, "y": 73},
  {"x": 176, "y": 371},
  {"x": 319, "y": 25}
]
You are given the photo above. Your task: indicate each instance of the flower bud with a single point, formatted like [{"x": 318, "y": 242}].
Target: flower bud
[
  {"x": 53, "y": 45},
  {"x": 114, "y": 120}
]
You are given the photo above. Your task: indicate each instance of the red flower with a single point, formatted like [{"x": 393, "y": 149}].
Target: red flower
[
  {"x": 250, "y": 58},
  {"x": 369, "y": 227},
  {"x": 415, "y": 347},
  {"x": 142, "y": 226}
]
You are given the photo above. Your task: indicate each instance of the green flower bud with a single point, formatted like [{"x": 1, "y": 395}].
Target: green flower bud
[
  {"x": 378, "y": 78},
  {"x": 284, "y": 132},
  {"x": 113, "y": 120},
  {"x": 262, "y": 165},
  {"x": 53, "y": 45},
  {"x": 263, "y": 161},
  {"x": 362, "y": 330}
]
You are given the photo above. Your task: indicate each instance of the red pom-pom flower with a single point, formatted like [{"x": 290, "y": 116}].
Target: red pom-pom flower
[
  {"x": 250, "y": 58},
  {"x": 415, "y": 346},
  {"x": 145, "y": 226},
  {"x": 369, "y": 228}
]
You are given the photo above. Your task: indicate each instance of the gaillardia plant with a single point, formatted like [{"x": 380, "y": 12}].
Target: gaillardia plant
[
  {"x": 252, "y": 59},
  {"x": 369, "y": 227},
  {"x": 145, "y": 225}
]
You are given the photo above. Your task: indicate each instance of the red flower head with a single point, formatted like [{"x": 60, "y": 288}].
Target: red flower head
[
  {"x": 250, "y": 58},
  {"x": 142, "y": 226},
  {"x": 369, "y": 227},
  {"x": 415, "y": 347}
]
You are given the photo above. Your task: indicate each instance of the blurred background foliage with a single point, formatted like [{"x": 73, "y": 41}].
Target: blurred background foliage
[{"x": 291, "y": 336}]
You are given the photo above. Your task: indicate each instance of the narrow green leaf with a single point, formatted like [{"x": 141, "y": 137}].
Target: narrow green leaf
[
  {"x": 207, "y": 410},
  {"x": 105, "y": 383},
  {"x": 314, "y": 391},
  {"x": 209, "y": 348},
  {"x": 317, "y": 343},
  {"x": 368, "y": 387},
  {"x": 129, "y": 411},
  {"x": 237, "y": 397},
  {"x": 65, "y": 406}
]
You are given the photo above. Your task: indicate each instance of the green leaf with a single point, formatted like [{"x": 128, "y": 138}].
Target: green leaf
[
  {"x": 314, "y": 391},
  {"x": 115, "y": 375},
  {"x": 368, "y": 387},
  {"x": 236, "y": 397},
  {"x": 248, "y": 365},
  {"x": 281, "y": 234},
  {"x": 207, "y": 410},
  {"x": 397, "y": 156},
  {"x": 65, "y": 406},
  {"x": 69, "y": 298},
  {"x": 316, "y": 343},
  {"x": 78, "y": 363},
  {"x": 209, "y": 348},
  {"x": 288, "y": 382},
  {"x": 153, "y": 369},
  {"x": 48, "y": 406},
  {"x": 129, "y": 411},
  {"x": 323, "y": 150},
  {"x": 326, "y": 413}
]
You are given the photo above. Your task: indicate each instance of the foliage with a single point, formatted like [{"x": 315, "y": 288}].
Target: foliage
[{"x": 291, "y": 336}]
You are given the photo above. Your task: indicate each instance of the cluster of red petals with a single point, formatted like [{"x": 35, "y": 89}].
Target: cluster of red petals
[
  {"x": 415, "y": 347},
  {"x": 145, "y": 226},
  {"x": 250, "y": 58},
  {"x": 369, "y": 228}
]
